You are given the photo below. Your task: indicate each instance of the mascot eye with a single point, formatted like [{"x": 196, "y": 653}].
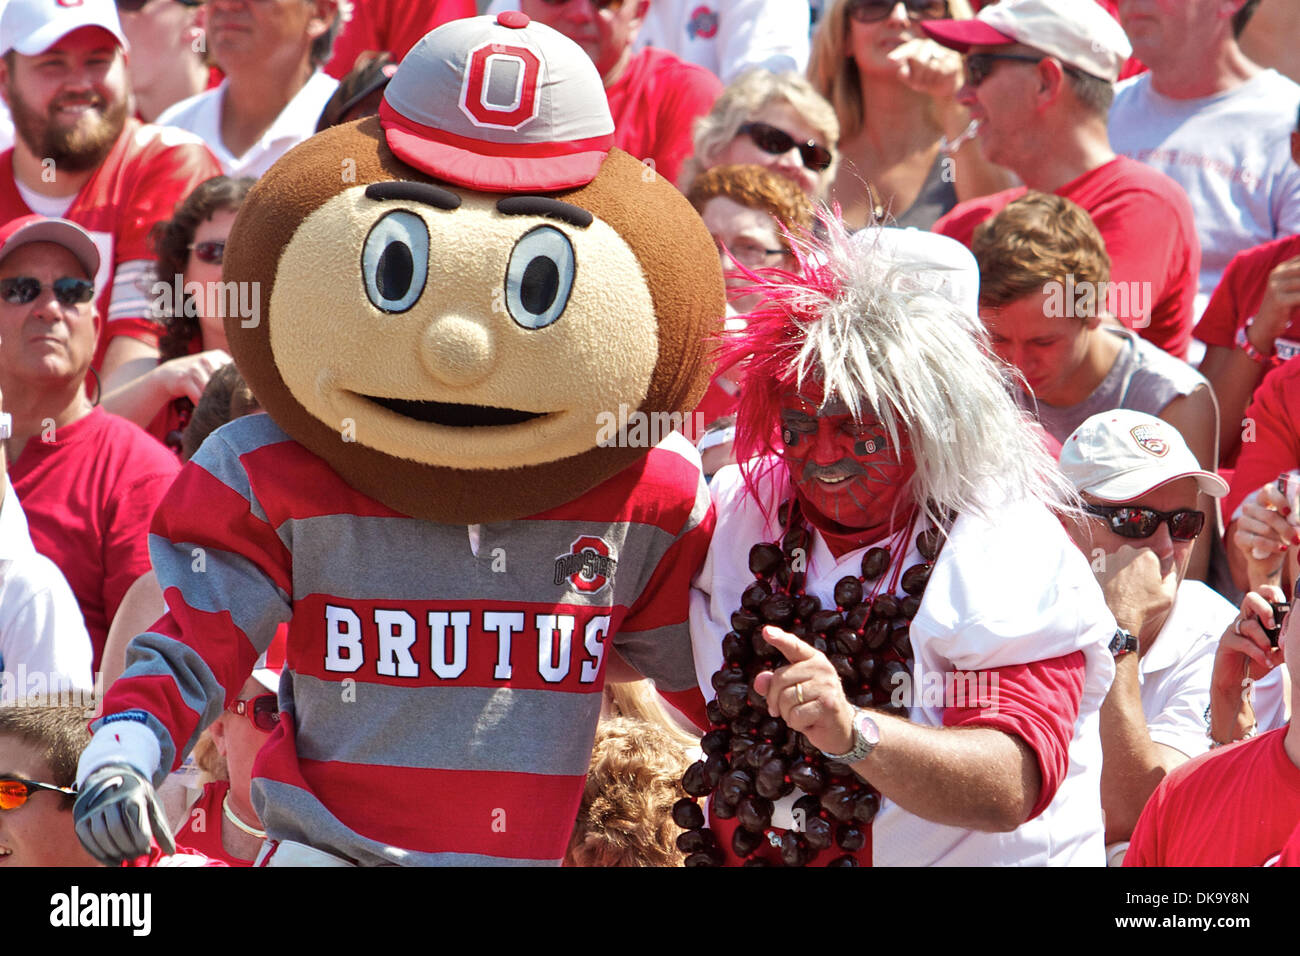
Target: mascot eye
[
  {"x": 539, "y": 277},
  {"x": 395, "y": 261}
]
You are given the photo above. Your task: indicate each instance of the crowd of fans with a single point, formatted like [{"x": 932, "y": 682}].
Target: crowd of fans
[{"x": 1126, "y": 178}]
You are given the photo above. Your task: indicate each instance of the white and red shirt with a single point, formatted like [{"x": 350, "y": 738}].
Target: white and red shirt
[
  {"x": 441, "y": 684},
  {"x": 1009, "y": 593},
  {"x": 147, "y": 172}
]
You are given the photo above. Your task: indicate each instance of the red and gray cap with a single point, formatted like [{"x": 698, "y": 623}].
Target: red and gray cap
[
  {"x": 1079, "y": 33},
  {"x": 500, "y": 104},
  {"x": 1122, "y": 454},
  {"x": 33, "y": 26},
  {"x": 35, "y": 228}
]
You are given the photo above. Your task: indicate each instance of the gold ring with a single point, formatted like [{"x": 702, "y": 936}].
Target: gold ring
[{"x": 798, "y": 691}]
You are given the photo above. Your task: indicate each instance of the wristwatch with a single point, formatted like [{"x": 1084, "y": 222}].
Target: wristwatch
[
  {"x": 1244, "y": 343},
  {"x": 865, "y": 737},
  {"x": 6, "y": 425},
  {"x": 1122, "y": 643}
]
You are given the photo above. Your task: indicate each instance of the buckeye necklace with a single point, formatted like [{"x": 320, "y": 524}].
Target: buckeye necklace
[{"x": 751, "y": 758}]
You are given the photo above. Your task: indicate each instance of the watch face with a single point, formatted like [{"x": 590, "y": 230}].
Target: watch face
[{"x": 868, "y": 729}]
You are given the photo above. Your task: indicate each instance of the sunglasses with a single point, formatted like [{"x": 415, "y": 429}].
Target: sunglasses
[
  {"x": 1129, "y": 521},
  {"x": 14, "y": 791},
  {"x": 598, "y": 4},
  {"x": 135, "y": 6},
  {"x": 263, "y": 710},
  {"x": 777, "y": 141},
  {"x": 873, "y": 11},
  {"x": 211, "y": 252},
  {"x": 69, "y": 291},
  {"x": 980, "y": 65}
]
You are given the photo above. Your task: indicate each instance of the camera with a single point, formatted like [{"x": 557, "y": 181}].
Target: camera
[{"x": 1279, "y": 611}]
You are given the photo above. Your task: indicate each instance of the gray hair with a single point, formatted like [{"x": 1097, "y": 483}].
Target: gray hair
[
  {"x": 743, "y": 97},
  {"x": 885, "y": 338}
]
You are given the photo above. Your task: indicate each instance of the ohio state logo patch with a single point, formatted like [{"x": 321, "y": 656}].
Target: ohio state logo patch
[
  {"x": 501, "y": 89},
  {"x": 588, "y": 566},
  {"x": 703, "y": 23},
  {"x": 1149, "y": 440}
]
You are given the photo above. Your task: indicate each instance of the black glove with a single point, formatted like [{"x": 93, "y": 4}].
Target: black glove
[{"x": 117, "y": 813}]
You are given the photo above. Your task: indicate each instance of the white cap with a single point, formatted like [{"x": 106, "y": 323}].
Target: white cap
[
  {"x": 953, "y": 271},
  {"x": 269, "y": 666},
  {"x": 1079, "y": 33},
  {"x": 501, "y": 104},
  {"x": 1122, "y": 454},
  {"x": 33, "y": 26}
]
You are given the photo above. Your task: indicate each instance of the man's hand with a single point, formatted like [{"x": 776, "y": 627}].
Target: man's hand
[
  {"x": 807, "y": 694},
  {"x": 1281, "y": 295},
  {"x": 1136, "y": 591},
  {"x": 117, "y": 815}
]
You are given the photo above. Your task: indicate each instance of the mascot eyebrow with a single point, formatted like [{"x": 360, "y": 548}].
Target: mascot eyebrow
[
  {"x": 546, "y": 207},
  {"x": 425, "y": 193}
]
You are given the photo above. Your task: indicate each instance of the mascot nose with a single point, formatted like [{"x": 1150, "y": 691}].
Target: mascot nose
[{"x": 457, "y": 351}]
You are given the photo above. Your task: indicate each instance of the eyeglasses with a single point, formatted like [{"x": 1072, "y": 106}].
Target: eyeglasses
[
  {"x": 873, "y": 11},
  {"x": 1129, "y": 521},
  {"x": 14, "y": 791},
  {"x": 135, "y": 6},
  {"x": 211, "y": 252},
  {"x": 980, "y": 65},
  {"x": 777, "y": 141},
  {"x": 263, "y": 710},
  {"x": 749, "y": 254},
  {"x": 598, "y": 4},
  {"x": 69, "y": 291}
]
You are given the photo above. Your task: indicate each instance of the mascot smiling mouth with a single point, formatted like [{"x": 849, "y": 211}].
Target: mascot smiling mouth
[{"x": 452, "y": 415}]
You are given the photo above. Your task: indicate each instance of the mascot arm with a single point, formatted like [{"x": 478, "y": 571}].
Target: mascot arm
[
  {"x": 655, "y": 636},
  {"x": 225, "y": 575}
]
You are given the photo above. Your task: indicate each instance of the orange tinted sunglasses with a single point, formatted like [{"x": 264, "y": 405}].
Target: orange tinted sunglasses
[{"x": 14, "y": 791}]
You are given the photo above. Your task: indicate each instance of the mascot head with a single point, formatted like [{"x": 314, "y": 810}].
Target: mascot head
[{"x": 457, "y": 293}]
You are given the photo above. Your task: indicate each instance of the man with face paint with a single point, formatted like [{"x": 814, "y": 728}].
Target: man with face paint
[{"x": 873, "y": 416}]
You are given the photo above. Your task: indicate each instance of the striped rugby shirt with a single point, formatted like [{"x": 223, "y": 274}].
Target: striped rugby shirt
[{"x": 440, "y": 698}]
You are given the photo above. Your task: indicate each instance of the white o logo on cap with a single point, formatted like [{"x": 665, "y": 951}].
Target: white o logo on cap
[{"x": 500, "y": 89}]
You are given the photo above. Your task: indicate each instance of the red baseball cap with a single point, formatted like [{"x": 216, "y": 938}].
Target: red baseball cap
[
  {"x": 34, "y": 228},
  {"x": 499, "y": 104}
]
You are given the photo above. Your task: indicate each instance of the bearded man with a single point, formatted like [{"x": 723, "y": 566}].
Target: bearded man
[
  {"x": 888, "y": 478},
  {"x": 79, "y": 156}
]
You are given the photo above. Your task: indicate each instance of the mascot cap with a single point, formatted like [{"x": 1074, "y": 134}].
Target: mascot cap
[{"x": 499, "y": 104}]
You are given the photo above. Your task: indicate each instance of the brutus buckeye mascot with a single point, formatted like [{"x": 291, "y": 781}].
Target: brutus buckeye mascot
[{"x": 454, "y": 296}]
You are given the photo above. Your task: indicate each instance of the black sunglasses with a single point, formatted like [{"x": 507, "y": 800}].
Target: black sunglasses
[
  {"x": 211, "y": 252},
  {"x": 777, "y": 141},
  {"x": 135, "y": 6},
  {"x": 14, "y": 791},
  {"x": 69, "y": 291},
  {"x": 598, "y": 4},
  {"x": 1129, "y": 521},
  {"x": 263, "y": 710},
  {"x": 873, "y": 11}
]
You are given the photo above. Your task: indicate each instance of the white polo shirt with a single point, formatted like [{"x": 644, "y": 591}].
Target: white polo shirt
[
  {"x": 1009, "y": 587},
  {"x": 44, "y": 647},
  {"x": 201, "y": 115}
]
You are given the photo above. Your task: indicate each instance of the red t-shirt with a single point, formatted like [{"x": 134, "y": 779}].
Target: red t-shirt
[
  {"x": 1240, "y": 294},
  {"x": 392, "y": 26},
  {"x": 1275, "y": 414},
  {"x": 89, "y": 495},
  {"x": 1147, "y": 224},
  {"x": 148, "y": 171},
  {"x": 655, "y": 103},
  {"x": 202, "y": 830},
  {"x": 1230, "y": 807}
]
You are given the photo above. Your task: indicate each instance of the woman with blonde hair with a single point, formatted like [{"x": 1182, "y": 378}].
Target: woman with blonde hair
[
  {"x": 774, "y": 120},
  {"x": 905, "y": 140}
]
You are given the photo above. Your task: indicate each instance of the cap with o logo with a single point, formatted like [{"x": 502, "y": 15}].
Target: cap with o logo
[{"x": 499, "y": 104}]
